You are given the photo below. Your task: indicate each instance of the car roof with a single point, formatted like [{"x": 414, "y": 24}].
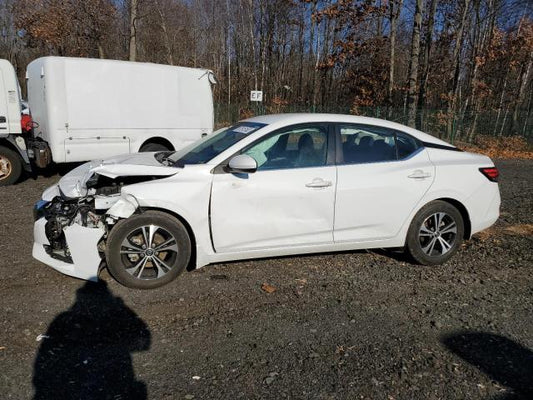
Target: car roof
[{"x": 298, "y": 118}]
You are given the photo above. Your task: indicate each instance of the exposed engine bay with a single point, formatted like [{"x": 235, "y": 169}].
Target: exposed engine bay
[
  {"x": 60, "y": 213},
  {"x": 89, "y": 211},
  {"x": 73, "y": 219}
]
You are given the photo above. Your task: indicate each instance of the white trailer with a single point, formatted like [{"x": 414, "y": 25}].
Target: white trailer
[{"x": 84, "y": 109}]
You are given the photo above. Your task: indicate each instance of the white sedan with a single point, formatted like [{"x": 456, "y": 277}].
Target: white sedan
[{"x": 267, "y": 186}]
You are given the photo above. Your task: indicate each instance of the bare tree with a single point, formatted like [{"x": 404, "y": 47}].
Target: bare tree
[
  {"x": 413, "y": 62},
  {"x": 454, "y": 71},
  {"x": 426, "y": 62},
  {"x": 333, "y": 55},
  {"x": 395, "y": 7},
  {"x": 134, "y": 10}
]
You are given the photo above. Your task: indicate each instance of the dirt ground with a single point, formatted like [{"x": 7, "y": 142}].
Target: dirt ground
[{"x": 354, "y": 325}]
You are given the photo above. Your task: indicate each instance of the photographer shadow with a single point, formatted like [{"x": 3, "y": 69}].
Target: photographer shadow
[
  {"x": 503, "y": 360},
  {"x": 86, "y": 352}
]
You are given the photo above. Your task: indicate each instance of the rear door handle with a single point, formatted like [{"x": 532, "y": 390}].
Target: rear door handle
[
  {"x": 318, "y": 183},
  {"x": 419, "y": 174}
]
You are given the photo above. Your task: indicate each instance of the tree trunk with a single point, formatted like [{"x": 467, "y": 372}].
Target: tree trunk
[
  {"x": 379, "y": 25},
  {"x": 252, "y": 40},
  {"x": 427, "y": 54},
  {"x": 524, "y": 81},
  {"x": 480, "y": 39},
  {"x": 101, "y": 52},
  {"x": 166, "y": 36},
  {"x": 312, "y": 59},
  {"x": 413, "y": 63},
  {"x": 228, "y": 50},
  {"x": 454, "y": 73},
  {"x": 393, "y": 16},
  {"x": 134, "y": 8}
]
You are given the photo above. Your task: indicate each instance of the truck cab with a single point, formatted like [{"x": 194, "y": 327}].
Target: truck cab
[{"x": 13, "y": 154}]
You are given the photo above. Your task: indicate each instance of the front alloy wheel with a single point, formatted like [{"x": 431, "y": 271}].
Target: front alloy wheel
[
  {"x": 435, "y": 234},
  {"x": 148, "y": 250}
]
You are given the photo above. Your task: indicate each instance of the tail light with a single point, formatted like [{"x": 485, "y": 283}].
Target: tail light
[
  {"x": 26, "y": 123},
  {"x": 491, "y": 173}
]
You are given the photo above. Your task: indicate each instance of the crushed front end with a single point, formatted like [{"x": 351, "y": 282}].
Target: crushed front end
[
  {"x": 73, "y": 218},
  {"x": 69, "y": 235}
]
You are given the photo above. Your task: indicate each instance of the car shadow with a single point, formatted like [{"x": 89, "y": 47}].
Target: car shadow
[
  {"x": 86, "y": 351},
  {"x": 393, "y": 253},
  {"x": 502, "y": 359},
  {"x": 397, "y": 254}
]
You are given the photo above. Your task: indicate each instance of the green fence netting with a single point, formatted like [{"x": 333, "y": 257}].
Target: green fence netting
[{"x": 461, "y": 126}]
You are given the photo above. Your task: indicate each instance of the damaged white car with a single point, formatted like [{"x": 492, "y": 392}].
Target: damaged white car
[{"x": 268, "y": 186}]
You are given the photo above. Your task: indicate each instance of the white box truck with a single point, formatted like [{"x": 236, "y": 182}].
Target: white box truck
[{"x": 83, "y": 109}]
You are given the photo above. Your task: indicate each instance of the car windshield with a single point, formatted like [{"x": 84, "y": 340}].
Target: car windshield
[{"x": 211, "y": 146}]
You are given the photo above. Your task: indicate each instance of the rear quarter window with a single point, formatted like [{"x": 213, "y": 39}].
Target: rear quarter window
[{"x": 405, "y": 145}]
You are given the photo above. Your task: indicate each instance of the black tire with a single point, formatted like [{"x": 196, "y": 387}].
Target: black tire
[
  {"x": 148, "y": 147},
  {"x": 131, "y": 234},
  {"x": 435, "y": 234},
  {"x": 10, "y": 166}
]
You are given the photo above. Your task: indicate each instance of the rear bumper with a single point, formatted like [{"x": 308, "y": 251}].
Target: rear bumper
[
  {"x": 484, "y": 207},
  {"x": 83, "y": 245}
]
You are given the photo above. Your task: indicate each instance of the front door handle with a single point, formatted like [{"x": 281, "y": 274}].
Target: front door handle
[
  {"x": 419, "y": 174},
  {"x": 3, "y": 120},
  {"x": 318, "y": 183}
]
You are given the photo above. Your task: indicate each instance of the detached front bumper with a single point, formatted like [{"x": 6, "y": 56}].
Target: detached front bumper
[{"x": 83, "y": 245}]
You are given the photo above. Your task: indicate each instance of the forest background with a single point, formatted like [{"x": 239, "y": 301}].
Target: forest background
[{"x": 458, "y": 69}]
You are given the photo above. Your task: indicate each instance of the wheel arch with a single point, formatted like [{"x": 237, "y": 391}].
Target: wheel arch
[
  {"x": 11, "y": 146},
  {"x": 158, "y": 140},
  {"x": 464, "y": 213},
  {"x": 188, "y": 227}
]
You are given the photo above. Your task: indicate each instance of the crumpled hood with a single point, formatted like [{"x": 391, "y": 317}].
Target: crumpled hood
[{"x": 137, "y": 164}]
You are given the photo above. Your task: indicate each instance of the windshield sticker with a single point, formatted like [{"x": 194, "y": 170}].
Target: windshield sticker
[{"x": 245, "y": 129}]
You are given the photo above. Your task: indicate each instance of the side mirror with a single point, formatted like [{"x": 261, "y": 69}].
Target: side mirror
[{"x": 242, "y": 163}]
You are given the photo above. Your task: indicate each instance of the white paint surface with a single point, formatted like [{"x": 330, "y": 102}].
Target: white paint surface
[
  {"x": 273, "y": 213},
  {"x": 89, "y": 108}
]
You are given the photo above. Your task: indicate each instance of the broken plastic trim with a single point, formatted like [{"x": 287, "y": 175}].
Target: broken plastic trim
[{"x": 125, "y": 207}]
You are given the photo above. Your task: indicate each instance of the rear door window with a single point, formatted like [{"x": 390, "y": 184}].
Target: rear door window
[{"x": 367, "y": 144}]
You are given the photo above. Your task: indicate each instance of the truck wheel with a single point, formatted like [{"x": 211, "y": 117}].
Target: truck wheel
[
  {"x": 10, "y": 166},
  {"x": 148, "y": 250},
  {"x": 153, "y": 147}
]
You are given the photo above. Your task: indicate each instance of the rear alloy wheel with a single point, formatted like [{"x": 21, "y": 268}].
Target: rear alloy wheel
[
  {"x": 10, "y": 166},
  {"x": 148, "y": 250},
  {"x": 435, "y": 233}
]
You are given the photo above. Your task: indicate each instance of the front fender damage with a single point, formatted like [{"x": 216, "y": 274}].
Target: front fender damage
[{"x": 124, "y": 207}]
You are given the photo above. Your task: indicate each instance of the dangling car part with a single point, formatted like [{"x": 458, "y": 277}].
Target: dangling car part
[{"x": 71, "y": 219}]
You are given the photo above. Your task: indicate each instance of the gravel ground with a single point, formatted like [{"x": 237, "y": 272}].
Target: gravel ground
[{"x": 354, "y": 325}]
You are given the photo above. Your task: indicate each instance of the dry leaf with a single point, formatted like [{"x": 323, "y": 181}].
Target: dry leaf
[{"x": 268, "y": 288}]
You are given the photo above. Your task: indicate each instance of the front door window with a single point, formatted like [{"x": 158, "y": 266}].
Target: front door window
[{"x": 299, "y": 147}]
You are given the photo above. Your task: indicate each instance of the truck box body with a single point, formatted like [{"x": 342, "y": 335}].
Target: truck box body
[
  {"x": 9, "y": 100},
  {"x": 89, "y": 108}
]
